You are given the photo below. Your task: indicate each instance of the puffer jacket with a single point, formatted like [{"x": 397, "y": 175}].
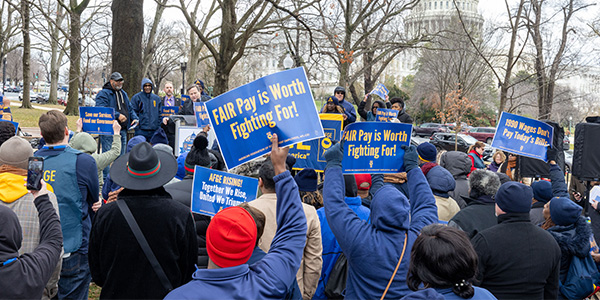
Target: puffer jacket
[
  {"x": 573, "y": 240},
  {"x": 459, "y": 165},
  {"x": 147, "y": 106}
]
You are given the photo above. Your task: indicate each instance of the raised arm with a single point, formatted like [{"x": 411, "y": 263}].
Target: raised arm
[
  {"x": 557, "y": 177},
  {"x": 423, "y": 210},
  {"x": 361, "y": 108}
]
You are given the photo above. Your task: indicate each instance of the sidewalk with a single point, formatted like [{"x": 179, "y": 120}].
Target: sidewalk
[{"x": 16, "y": 103}]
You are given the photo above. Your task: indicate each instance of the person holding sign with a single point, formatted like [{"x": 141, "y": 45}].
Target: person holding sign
[
  {"x": 369, "y": 115},
  {"x": 231, "y": 238},
  {"x": 148, "y": 107},
  {"x": 373, "y": 250},
  {"x": 398, "y": 104},
  {"x": 340, "y": 94}
]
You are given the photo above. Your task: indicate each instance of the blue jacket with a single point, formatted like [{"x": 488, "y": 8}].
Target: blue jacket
[
  {"x": 331, "y": 248},
  {"x": 107, "y": 98},
  {"x": 269, "y": 278},
  {"x": 348, "y": 110},
  {"x": 147, "y": 106},
  {"x": 373, "y": 249}
]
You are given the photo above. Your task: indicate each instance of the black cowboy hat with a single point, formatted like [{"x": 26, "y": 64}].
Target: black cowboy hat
[{"x": 143, "y": 168}]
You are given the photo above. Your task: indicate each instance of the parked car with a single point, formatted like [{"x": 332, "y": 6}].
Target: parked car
[
  {"x": 452, "y": 126},
  {"x": 61, "y": 100},
  {"x": 88, "y": 101},
  {"x": 428, "y": 129},
  {"x": 41, "y": 98},
  {"x": 446, "y": 141},
  {"x": 484, "y": 134},
  {"x": 32, "y": 95}
]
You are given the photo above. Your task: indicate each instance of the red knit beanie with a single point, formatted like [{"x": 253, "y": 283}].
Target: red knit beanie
[{"x": 231, "y": 237}]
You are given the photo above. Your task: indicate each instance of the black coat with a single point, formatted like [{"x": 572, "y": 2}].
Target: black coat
[
  {"x": 26, "y": 277},
  {"x": 181, "y": 192},
  {"x": 517, "y": 260},
  {"x": 480, "y": 214},
  {"x": 117, "y": 262}
]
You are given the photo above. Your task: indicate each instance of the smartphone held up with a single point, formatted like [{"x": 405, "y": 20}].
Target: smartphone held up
[{"x": 35, "y": 171}]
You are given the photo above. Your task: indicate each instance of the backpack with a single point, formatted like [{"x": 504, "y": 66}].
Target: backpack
[
  {"x": 581, "y": 278},
  {"x": 336, "y": 284}
]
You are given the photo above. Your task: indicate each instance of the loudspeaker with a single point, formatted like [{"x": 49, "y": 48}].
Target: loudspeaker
[
  {"x": 531, "y": 167},
  {"x": 586, "y": 155}
]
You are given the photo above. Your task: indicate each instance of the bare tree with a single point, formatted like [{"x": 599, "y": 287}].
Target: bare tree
[
  {"x": 9, "y": 29},
  {"x": 25, "y": 10},
  {"x": 167, "y": 51},
  {"x": 150, "y": 42},
  {"x": 127, "y": 29}
]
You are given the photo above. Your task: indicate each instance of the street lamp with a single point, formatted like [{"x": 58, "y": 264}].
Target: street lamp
[
  {"x": 288, "y": 62},
  {"x": 3, "y": 74},
  {"x": 103, "y": 75},
  {"x": 183, "y": 64}
]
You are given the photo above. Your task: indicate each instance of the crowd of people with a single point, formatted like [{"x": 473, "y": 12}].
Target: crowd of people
[{"x": 449, "y": 227}]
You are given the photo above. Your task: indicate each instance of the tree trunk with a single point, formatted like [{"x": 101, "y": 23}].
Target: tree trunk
[
  {"x": 26, "y": 54},
  {"x": 227, "y": 48},
  {"x": 54, "y": 63},
  {"x": 150, "y": 47},
  {"x": 128, "y": 28}
]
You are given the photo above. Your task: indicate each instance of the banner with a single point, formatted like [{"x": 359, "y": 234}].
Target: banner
[
  {"x": 14, "y": 124},
  {"x": 380, "y": 90},
  {"x": 245, "y": 118},
  {"x": 310, "y": 154},
  {"x": 523, "y": 136},
  {"x": 385, "y": 115},
  {"x": 375, "y": 147},
  {"x": 169, "y": 110},
  {"x": 201, "y": 114},
  {"x": 184, "y": 138},
  {"x": 97, "y": 120},
  {"x": 214, "y": 190}
]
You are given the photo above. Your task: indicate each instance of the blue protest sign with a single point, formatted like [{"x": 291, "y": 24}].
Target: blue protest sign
[
  {"x": 201, "y": 114},
  {"x": 380, "y": 90},
  {"x": 523, "y": 136},
  {"x": 14, "y": 124},
  {"x": 214, "y": 190},
  {"x": 375, "y": 147},
  {"x": 311, "y": 154},
  {"x": 97, "y": 120},
  {"x": 245, "y": 118},
  {"x": 385, "y": 115},
  {"x": 166, "y": 111}
]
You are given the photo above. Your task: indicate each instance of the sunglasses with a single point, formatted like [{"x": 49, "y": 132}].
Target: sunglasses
[{"x": 339, "y": 93}]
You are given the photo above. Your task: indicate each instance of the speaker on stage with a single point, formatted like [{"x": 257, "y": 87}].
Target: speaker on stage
[{"x": 586, "y": 155}]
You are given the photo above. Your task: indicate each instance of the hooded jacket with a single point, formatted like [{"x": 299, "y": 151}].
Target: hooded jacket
[
  {"x": 85, "y": 143},
  {"x": 147, "y": 106},
  {"x": 271, "y": 277},
  {"x": 459, "y": 165},
  {"x": 26, "y": 276},
  {"x": 108, "y": 97},
  {"x": 369, "y": 115},
  {"x": 441, "y": 182},
  {"x": 573, "y": 240},
  {"x": 373, "y": 250}
]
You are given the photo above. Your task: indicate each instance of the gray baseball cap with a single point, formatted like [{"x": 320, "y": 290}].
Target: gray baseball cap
[{"x": 116, "y": 76}]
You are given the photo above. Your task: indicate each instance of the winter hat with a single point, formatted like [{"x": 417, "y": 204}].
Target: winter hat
[
  {"x": 440, "y": 181},
  {"x": 542, "y": 191},
  {"x": 16, "y": 152},
  {"x": 363, "y": 181},
  {"x": 306, "y": 180},
  {"x": 333, "y": 99},
  {"x": 199, "y": 83},
  {"x": 427, "y": 152},
  {"x": 339, "y": 89},
  {"x": 134, "y": 141},
  {"x": 503, "y": 178},
  {"x": 163, "y": 147},
  {"x": 290, "y": 161},
  {"x": 159, "y": 137},
  {"x": 198, "y": 156},
  {"x": 483, "y": 183},
  {"x": 563, "y": 211},
  {"x": 514, "y": 197},
  {"x": 350, "y": 183},
  {"x": 231, "y": 237}
]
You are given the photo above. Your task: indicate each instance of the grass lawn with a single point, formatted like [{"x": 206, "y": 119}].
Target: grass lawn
[{"x": 29, "y": 117}]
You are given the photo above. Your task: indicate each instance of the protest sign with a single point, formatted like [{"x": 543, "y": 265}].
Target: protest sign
[
  {"x": 311, "y": 154},
  {"x": 169, "y": 110},
  {"x": 385, "y": 115},
  {"x": 523, "y": 136},
  {"x": 14, "y": 124},
  {"x": 380, "y": 90},
  {"x": 245, "y": 118},
  {"x": 214, "y": 190},
  {"x": 184, "y": 138},
  {"x": 375, "y": 147},
  {"x": 201, "y": 114},
  {"x": 97, "y": 120}
]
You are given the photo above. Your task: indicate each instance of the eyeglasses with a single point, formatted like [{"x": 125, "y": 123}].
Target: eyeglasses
[{"x": 339, "y": 93}]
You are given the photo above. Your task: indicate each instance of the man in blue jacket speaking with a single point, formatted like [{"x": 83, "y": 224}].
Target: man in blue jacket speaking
[
  {"x": 374, "y": 250},
  {"x": 230, "y": 241},
  {"x": 147, "y": 106}
]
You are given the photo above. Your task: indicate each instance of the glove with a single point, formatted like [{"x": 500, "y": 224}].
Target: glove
[
  {"x": 551, "y": 154},
  {"x": 411, "y": 157},
  {"x": 334, "y": 155}
]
